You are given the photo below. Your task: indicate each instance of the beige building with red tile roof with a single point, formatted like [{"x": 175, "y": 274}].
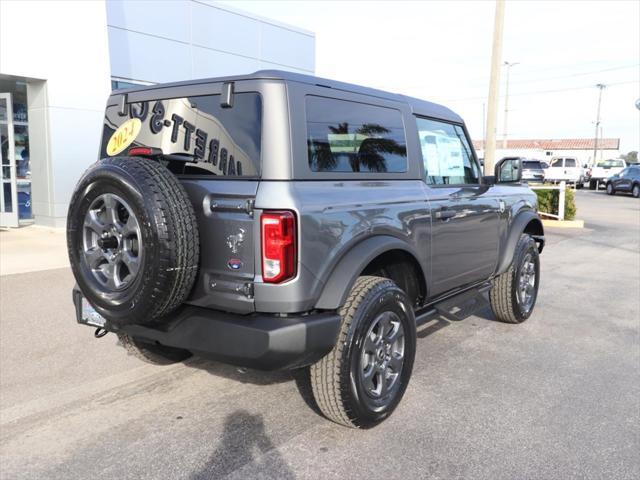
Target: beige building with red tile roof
[{"x": 545, "y": 149}]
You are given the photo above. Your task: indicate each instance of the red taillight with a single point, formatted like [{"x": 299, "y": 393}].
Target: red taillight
[
  {"x": 139, "y": 151},
  {"x": 144, "y": 152},
  {"x": 278, "y": 233}
]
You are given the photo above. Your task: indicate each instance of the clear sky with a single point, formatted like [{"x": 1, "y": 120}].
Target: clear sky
[{"x": 441, "y": 50}]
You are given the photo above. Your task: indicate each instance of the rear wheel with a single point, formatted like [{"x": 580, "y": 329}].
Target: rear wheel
[
  {"x": 593, "y": 184},
  {"x": 514, "y": 292},
  {"x": 362, "y": 380},
  {"x": 610, "y": 189}
]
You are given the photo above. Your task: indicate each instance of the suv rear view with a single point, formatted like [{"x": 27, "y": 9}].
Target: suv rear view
[{"x": 280, "y": 221}]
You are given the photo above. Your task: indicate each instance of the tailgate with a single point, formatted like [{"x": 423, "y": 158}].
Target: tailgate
[{"x": 224, "y": 210}]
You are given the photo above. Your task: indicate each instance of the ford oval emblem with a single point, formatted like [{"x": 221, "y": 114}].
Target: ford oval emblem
[{"x": 234, "y": 264}]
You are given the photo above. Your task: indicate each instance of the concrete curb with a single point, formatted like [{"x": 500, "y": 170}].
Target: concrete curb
[{"x": 563, "y": 223}]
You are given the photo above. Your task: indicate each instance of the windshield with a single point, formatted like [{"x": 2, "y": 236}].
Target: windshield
[{"x": 610, "y": 163}]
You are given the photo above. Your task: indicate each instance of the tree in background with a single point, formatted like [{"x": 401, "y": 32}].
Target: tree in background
[{"x": 631, "y": 157}]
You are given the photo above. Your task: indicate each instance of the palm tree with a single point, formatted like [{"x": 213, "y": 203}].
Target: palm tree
[{"x": 370, "y": 152}]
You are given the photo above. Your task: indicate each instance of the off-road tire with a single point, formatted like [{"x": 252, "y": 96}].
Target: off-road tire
[
  {"x": 504, "y": 292},
  {"x": 335, "y": 387},
  {"x": 151, "y": 352},
  {"x": 169, "y": 235}
]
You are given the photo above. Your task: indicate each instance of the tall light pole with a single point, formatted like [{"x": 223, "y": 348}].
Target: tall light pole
[
  {"x": 484, "y": 124},
  {"x": 506, "y": 103},
  {"x": 601, "y": 141},
  {"x": 600, "y": 87},
  {"x": 494, "y": 88}
]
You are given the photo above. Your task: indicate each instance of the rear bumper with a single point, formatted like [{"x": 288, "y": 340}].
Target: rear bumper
[{"x": 260, "y": 341}]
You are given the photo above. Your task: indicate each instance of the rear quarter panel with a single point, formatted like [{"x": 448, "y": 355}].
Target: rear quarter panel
[{"x": 333, "y": 217}]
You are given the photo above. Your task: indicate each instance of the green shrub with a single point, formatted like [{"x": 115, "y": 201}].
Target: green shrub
[{"x": 548, "y": 202}]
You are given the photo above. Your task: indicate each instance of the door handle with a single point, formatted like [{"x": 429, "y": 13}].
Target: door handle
[{"x": 445, "y": 214}]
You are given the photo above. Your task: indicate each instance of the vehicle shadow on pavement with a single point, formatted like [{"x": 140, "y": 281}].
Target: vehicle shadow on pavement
[
  {"x": 242, "y": 375},
  {"x": 432, "y": 326},
  {"x": 486, "y": 314},
  {"x": 243, "y": 442},
  {"x": 257, "y": 377}
]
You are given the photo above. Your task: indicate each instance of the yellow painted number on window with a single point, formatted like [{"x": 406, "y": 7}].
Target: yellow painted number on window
[{"x": 123, "y": 136}]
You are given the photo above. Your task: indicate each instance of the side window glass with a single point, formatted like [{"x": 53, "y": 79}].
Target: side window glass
[
  {"x": 446, "y": 154},
  {"x": 345, "y": 136},
  {"x": 569, "y": 162},
  {"x": 557, "y": 163}
]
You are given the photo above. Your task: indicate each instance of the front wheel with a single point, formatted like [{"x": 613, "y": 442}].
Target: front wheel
[
  {"x": 362, "y": 380},
  {"x": 610, "y": 189},
  {"x": 514, "y": 293},
  {"x": 635, "y": 191}
]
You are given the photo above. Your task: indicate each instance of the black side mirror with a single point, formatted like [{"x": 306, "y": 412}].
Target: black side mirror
[
  {"x": 488, "y": 180},
  {"x": 509, "y": 170}
]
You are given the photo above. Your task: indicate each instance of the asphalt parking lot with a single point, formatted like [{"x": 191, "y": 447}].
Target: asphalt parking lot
[{"x": 555, "y": 397}]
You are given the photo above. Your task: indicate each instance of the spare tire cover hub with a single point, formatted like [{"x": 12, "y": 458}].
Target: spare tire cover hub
[{"x": 112, "y": 242}]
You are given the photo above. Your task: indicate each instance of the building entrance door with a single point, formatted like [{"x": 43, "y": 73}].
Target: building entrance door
[{"x": 9, "y": 191}]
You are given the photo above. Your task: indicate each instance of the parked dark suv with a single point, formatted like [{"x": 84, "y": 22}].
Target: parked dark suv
[
  {"x": 283, "y": 221},
  {"x": 628, "y": 180}
]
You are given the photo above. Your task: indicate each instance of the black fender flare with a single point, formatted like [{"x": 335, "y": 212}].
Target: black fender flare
[
  {"x": 352, "y": 263},
  {"x": 516, "y": 229}
]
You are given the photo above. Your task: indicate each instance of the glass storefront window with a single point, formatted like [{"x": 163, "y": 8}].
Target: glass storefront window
[
  {"x": 117, "y": 84},
  {"x": 16, "y": 168},
  {"x": 18, "y": 91}
]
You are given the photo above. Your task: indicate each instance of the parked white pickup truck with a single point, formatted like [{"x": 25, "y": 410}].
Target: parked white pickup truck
[
  {"x": 603, "y": 170},
  {"x": 567, "y": 169}
]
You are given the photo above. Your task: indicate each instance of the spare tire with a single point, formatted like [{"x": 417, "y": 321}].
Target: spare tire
[{"x": 133, "y": 240}]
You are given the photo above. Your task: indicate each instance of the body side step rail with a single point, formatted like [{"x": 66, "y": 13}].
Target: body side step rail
[{"x": 456, "y": 307}]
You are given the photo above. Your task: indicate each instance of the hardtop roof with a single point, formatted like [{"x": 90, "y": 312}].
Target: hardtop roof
[{"x": 419, "y": 107}]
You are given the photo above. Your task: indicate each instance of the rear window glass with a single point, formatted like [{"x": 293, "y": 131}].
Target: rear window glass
[
  {"x": 528, "y": 164},
  {"x": 212, "y": 140},
  {"x": 345, "y": 136}
]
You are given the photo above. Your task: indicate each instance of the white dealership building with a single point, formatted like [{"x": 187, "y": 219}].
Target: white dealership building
[{"x": 59, "y": 60}]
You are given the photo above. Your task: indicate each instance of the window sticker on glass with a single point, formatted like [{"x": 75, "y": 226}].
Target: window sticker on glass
[{"x": 446, "y": 153}]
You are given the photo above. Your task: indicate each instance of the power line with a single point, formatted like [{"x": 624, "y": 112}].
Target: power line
[
  {"x": 539, "y": 92},
  {"x": 579, "y": 74},
  {"x": 582, "y": 74}
]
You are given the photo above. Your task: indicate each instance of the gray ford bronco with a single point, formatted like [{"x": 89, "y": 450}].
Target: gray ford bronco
[{"x": 284, "y": 221}]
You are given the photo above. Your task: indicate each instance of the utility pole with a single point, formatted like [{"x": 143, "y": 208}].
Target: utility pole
[
  {"x": 506, "y": 103},
  {"x": 601, "y": 87},
  {"x": 600, "y": 142},
  {"x": 484, "y": 133},
  {"x": 494, "y": 89}
]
